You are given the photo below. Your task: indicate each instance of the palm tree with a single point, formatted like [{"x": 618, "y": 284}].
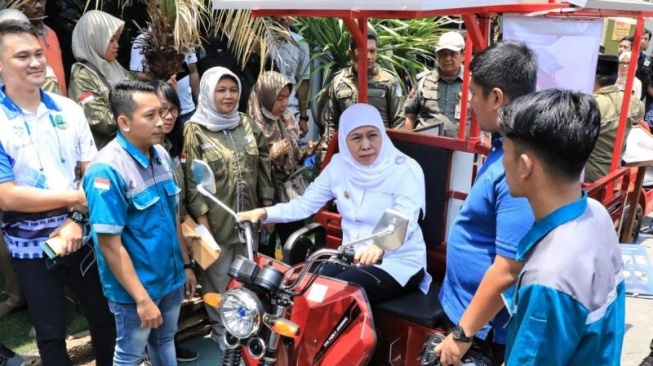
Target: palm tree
[{"x": 173, "y": 30}]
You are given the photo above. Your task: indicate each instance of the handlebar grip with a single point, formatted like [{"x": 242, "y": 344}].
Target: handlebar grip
[{"x": 349, "y": 253}]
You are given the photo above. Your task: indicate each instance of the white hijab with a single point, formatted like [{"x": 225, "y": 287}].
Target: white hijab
[
  {"x": 392, "y": 171},
  {"x": 207, "y": 114},
  {"x": 91, "y": 38}
]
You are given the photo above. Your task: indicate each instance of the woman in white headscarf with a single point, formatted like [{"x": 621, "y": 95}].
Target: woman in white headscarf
[
  {"x": 368, "y": 176},
  {"x": 235, "y": 148},
  {"x": 624, "y": 63},
  {"x": 95, "y": 47}
]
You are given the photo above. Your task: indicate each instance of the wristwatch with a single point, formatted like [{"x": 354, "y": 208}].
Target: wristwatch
[
  {"x": 77, "y": 216},
  {"x": 303, "y": 118},
  {"x": 460, "y": 336},
  {"x": 189, "y": 265}
]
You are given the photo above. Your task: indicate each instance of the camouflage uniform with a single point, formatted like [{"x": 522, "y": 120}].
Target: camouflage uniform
[
  {"x": 88, "y": 89},
  {"x": 437, "y": 102},
  {"x": 240, "y": 160},
  {"x": 609, "y": 99},
  {"x": 383, "y": 92}
]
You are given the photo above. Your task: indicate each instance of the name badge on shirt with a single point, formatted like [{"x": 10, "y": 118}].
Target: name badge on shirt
[{"x": 456, "y": 113}]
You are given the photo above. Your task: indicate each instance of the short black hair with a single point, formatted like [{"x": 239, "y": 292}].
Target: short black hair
[
  {"x": 370, "y": 35},
  {"x": 630, "y": 39},
  {"x": 559, "y": 126},
  {"x": 646, "y": 31},
  {"x": 509, "y": 65},
  {"x": 121, "y": 97},
  {"x": 605, "y": 80},
  {"x": 16, "y": 27},
  {"x": 176, "y": 135}
]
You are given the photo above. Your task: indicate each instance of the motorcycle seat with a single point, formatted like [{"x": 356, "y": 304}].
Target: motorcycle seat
[{"x": 417, "y": 307}]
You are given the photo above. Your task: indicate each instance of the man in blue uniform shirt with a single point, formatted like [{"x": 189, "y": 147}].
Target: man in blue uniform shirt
[
  {"x": 482, "y": 243},
  {"x": 568, "y": 307},
  {"x": 133, "y": 201}
]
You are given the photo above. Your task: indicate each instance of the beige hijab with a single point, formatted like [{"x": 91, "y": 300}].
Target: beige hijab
[
  {"x": 259, "y": 106},
  {"x": 264, "y": 95},
  {"x": 91, "y": 38}
]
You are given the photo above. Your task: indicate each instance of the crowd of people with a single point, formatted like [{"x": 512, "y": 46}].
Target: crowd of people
[{"x": 100, "y": 162}]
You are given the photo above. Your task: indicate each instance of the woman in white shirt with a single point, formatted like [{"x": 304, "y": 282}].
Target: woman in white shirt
[{"x": 368, "y": 176}]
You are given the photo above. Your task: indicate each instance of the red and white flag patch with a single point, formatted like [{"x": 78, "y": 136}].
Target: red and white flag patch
[
  {"x": 101, "y": 183},
  {"x": 182, "y": 157},
  {"x": 85, "y": 98}
]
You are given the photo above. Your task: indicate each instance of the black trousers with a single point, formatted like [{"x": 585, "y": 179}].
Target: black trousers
[
  {"x": 281, "y": 232},
  {"x": 377, "y": 283},
  {"x": 43, "y": 288}
]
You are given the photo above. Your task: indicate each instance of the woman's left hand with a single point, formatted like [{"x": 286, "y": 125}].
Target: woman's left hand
[{"x": 368, "y": 255}]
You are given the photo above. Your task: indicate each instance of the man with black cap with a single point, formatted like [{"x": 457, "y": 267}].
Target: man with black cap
[
  {"x": 609, "y": 99},
  {"x": 437, "y": 98}
]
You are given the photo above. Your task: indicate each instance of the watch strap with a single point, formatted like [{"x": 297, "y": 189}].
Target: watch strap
[
  {"x": 460, "y": 336},
  {"x": 77, "y": 216}
]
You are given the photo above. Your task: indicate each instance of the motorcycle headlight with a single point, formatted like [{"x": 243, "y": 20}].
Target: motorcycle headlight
[{"x": 241, "y": 312}]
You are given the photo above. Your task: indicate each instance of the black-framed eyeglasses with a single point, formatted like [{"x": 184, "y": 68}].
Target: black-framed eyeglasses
[
  {"x": 174, "y": 112},
  {"x": 34, "y": 2}
]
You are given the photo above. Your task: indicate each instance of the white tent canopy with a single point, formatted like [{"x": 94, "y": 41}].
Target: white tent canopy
[{"x": 421, "y": 5}]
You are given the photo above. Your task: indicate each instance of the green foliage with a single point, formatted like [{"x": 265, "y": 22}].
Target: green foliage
[
  {"x": 405, "y": 47},
  {"x": 15, "y": 326}
]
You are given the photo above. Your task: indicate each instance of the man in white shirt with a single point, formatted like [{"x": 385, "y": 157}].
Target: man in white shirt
[
  {"x": 292, "y": 56},
  {"x": 45, "y": 148}
]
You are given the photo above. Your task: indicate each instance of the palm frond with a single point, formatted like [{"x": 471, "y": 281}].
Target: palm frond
[{"x": 245, "y": 34}]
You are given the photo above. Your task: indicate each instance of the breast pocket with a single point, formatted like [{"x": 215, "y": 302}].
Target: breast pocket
[
  {"x": 431, "y": 99},
  {"x": 217, "y": 164},
  {"x": 146, "y": 218},
  {"x": 378, "y": 95},
  {"x": 172, "y": 192}
]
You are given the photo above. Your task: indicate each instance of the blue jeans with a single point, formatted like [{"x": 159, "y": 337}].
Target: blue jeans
[{"x": 132, "y": 338}]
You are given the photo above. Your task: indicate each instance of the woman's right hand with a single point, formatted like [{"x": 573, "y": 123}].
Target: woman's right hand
[
  {"x": 280, "y": 148},
  {"x": 254, "y": 216}
]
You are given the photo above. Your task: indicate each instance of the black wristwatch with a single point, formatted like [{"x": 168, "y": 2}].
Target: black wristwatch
[
  {"x": 460, "y": 336},
  {"x": 189, "y": 265},
  {"x": 303, "y": 118},
  {"x": 77, "y": 216}
]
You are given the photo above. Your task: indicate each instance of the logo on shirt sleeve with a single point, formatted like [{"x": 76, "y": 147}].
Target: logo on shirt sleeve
[
  {"x": 101, "y": 183},
  {"x": 85, "y": 98}
]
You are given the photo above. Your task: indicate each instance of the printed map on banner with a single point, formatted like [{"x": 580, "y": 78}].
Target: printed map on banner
[{"x": 567, "y": 49}]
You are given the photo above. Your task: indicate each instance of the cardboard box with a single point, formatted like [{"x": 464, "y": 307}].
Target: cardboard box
[{"x": 205, "y": 249}]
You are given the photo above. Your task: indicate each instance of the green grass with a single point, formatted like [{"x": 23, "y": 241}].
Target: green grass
[{"x": 15, "y": 326}]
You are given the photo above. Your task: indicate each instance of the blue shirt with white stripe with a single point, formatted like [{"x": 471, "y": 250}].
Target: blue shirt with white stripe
[
  {"x": 569, "y": 303},
  {"x": 136, "y": 197}
]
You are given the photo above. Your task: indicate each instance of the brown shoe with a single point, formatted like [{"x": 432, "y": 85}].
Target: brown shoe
[{"x": 9, "y": 306}]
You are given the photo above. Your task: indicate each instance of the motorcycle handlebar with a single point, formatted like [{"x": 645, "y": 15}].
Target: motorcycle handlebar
[
  {"x": 247, "y": 227},
  {"x": 345, "y": 254}
]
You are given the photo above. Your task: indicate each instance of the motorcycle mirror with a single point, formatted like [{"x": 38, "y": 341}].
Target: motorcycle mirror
[
  {"x": 203, "y": 175},
  {"x": 390, "y": 231}
]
